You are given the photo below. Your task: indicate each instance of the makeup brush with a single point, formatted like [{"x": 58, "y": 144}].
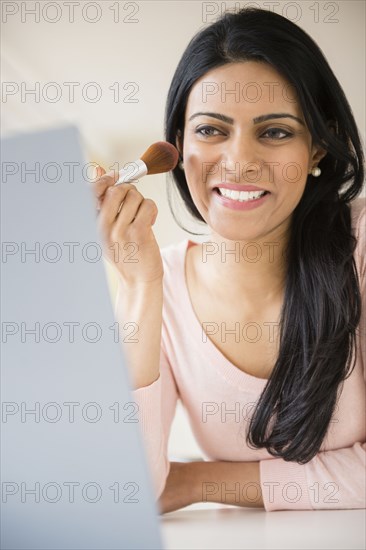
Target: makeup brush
[{"x": 158, "y": 158}]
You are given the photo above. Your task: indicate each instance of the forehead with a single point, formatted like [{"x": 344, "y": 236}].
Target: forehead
[{"x": 247, "y": 87}]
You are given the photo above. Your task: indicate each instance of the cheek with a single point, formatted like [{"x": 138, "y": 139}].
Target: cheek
[
  {"x": 194, "y": 171},
  {"x": 192, "y": 160},
  {"x": 291, "y": 175},
  {"x": 291, "y": 168},
  {"x": 193, "y": 167},
  {"x": 196, "y": 155}
]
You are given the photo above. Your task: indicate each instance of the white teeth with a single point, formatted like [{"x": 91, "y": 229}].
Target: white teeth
[{"x": 240, "y": 195}]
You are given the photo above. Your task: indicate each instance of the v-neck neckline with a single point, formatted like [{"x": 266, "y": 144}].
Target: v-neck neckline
[{"x": 231, "y": 372}]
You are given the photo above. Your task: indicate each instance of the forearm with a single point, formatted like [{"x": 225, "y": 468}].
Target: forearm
[
  {"x": 142, "y": 307},
  {"x": 236, "y": 483}
]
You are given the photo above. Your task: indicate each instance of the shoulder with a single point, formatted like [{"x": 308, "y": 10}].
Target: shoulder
[
  {"x": 358, "y": 215},
  {"x": 174, "y": 254},
  {"x": 173, "y": 257},
  {"x": 358, "y": 225}
]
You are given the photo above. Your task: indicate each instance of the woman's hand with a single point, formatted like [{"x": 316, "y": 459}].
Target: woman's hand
[
  {"x": 207, "y": 481},
  {"x": 125, "y": 222},
  {"x": 179, "y": 488}
]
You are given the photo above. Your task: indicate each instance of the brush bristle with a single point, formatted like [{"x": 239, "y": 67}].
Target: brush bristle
[{"x": 160, "y": 157}]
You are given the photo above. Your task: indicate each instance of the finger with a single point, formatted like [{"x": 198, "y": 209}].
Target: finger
[
  {"x": 130, "y": 206},
  {"x": 108, "y": 179},
  {"x": 113, "y": 202},
  {"x": 143, "y": 219},
  {"x": 99, "y": 171},
  {"x": 146, "y": 214}
]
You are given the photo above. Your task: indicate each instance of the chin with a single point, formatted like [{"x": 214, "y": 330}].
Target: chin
[{"x": 233, "y": 234}]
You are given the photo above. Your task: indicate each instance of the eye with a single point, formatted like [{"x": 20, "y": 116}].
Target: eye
[
  {"x": 276, "y": 133},
  {"x": 207, "y": 131}
]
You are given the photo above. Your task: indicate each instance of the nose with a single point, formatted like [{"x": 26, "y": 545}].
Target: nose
[{"x": 240, "y": 158}]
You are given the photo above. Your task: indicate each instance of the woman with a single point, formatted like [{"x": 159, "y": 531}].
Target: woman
[{"x": 259, "y": 331}]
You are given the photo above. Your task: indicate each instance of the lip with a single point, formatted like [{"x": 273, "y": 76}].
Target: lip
[
  {"x": 238, "y": 187},
  {"x": 236, "y": 205}
]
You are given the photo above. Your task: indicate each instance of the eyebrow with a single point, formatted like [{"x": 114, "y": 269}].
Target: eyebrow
[{"x": 256, "y": 120}]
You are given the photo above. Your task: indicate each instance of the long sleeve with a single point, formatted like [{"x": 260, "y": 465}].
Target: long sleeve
[
  {"x": 195, "y": 371},
  {"x": 333, "y": 479},
  {"x": 157, "y": 404}
]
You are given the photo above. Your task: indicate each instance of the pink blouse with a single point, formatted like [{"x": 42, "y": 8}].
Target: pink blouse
[{"x": 218, "y": 398}]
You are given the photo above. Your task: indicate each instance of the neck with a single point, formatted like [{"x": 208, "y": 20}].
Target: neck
[{"x": 252, "y": 270}]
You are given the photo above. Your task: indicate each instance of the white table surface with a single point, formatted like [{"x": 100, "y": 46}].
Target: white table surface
[{"x": 213, "y": 526}]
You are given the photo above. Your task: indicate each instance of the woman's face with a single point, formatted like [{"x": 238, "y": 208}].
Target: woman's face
[{"x": 244, "y": 127}]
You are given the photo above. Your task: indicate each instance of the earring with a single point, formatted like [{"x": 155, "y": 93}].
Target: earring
[
  {"x": 181, "y": 165},
  {"x": 316, "y": 172}
]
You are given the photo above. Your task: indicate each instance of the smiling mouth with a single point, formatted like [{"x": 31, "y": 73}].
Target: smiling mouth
[{"x": 240, "y": 196}]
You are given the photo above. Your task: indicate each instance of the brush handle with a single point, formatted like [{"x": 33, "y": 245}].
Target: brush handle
[{"x": 132, "y": 172}]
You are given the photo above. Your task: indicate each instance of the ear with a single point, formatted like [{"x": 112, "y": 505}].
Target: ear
[
  {"x": 317, "y": 153},
  {"x": 179, "y": 143}
]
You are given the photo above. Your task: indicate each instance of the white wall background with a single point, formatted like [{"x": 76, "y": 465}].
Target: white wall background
[{"x": 114, "y": 43}]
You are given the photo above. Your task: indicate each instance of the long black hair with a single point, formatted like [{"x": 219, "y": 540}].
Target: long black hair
[{"x": 322, "y": 302}]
